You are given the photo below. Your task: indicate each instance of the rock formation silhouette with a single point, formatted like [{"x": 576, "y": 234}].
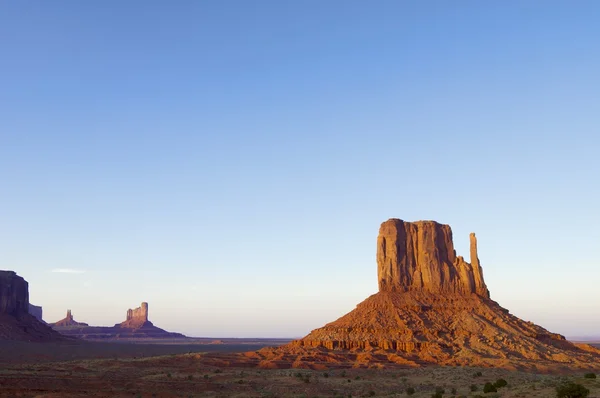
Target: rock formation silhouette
[
  {"x": 68, "y": 321},
  {"x": 37, "y": 312},
  {"x": 16, "y": 323}
]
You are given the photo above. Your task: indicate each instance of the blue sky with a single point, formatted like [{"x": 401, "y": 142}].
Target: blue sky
[{"x": 230, "y": 162}]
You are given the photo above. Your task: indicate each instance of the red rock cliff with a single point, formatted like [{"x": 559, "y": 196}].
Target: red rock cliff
[{"x": 420, "y": 256}]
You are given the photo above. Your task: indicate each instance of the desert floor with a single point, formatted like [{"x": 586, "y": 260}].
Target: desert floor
[{"x": 156, "y": 370}]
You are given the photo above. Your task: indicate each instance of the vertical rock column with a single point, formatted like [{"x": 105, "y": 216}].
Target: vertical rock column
[{"x": 480, "y": 287}]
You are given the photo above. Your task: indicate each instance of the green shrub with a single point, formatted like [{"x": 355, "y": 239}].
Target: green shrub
[
  {"x": 590, "y": 375},
  {"x": 571, "y": 390},
  {"x": 474, "y": 387},
  {"x": 453, "y": 391},
  {"x": 437, "y": 395},
  {"x": 439, "y": 390},
  {"x": 489, "y": 387},
  {"x": 325, "y": 375},
  {"x": 410, "y": 391},
  {"x": 500, "y": 383}
]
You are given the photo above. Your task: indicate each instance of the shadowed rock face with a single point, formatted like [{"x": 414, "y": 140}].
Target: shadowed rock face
[
  {"x": 36, "y": 311},
  {"x": 420, "y": 256},
  {"x": 16, "y": 323},
  {"x": 14, "y": 294}
]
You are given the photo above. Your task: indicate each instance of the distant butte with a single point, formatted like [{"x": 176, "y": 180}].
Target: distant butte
[
  {"x": 136, "y": 318},
  {"x": 136, "y": 326},
  {"x": 432, "y": 307},
  {"x": 68, "y": 321}
]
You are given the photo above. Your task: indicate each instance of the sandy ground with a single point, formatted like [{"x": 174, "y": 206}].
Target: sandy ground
[{"x": 137, "y": 371}]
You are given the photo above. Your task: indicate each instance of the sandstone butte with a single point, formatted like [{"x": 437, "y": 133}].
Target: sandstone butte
[
  {"x": 433, "y": 307},
  {"x": 16, "y": 322},
  {"x": 68, "y": 321},
  {"x": 135, "y": 326}
]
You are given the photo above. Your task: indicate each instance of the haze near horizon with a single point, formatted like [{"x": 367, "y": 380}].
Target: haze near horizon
[{"x": 230, "y": 162}]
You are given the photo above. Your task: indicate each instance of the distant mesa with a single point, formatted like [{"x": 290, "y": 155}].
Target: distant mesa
[
  {"x": 135, "y": 326},
  {"x": 432, "y": 307},
  {"x": 16, "y": 321}
]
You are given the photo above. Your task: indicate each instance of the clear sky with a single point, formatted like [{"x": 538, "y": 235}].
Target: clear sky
[{"x": 230, "y": 162}]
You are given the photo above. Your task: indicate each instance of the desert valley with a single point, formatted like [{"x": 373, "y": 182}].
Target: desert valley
[
  {"x": 199, "y": 198},
  {"x": 432, "y": 330}
]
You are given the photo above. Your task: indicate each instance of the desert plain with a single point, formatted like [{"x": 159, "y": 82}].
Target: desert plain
[{"x": 155, "y": 370}]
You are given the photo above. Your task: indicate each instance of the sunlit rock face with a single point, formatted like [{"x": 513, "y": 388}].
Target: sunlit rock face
[{"x": 420, "y": 256}]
